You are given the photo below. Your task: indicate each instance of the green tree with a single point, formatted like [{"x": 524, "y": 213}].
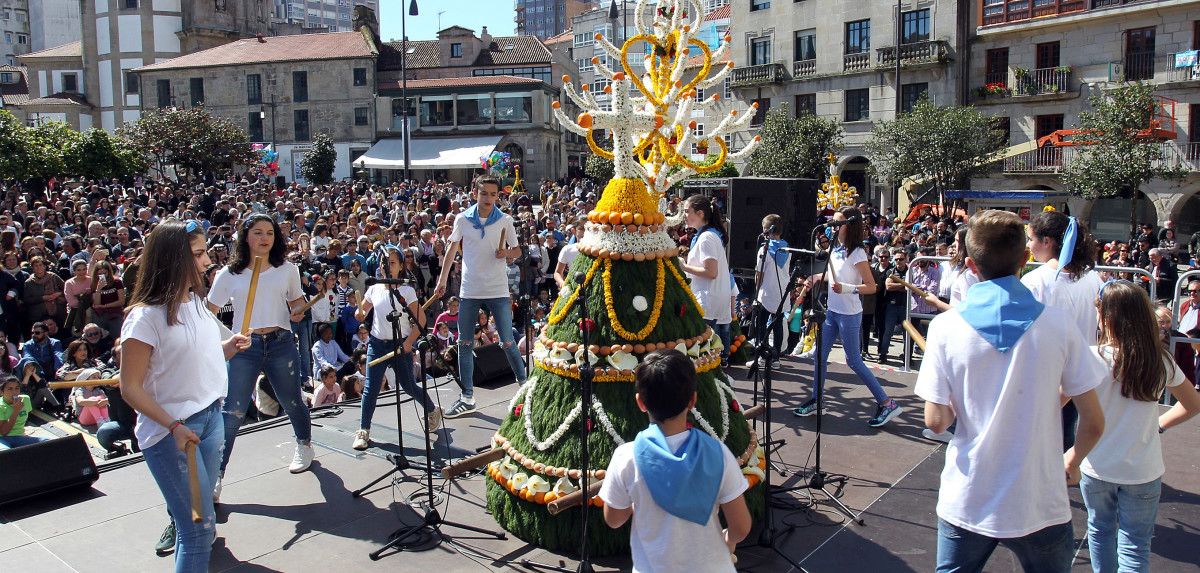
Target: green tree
[
  {"x": 100, "y": 155},
  {"x": 794, "y": 146},
  {"x": 18, "y": 151},
  {"x": 599, "y": 169},
  {"x": 52, "y": 141},
  {"x": 193, "y": 141},
  {"x": 942, "y": 146},
  {"x": 317, "y": 165},
  {"x": 1117, "y": 160}
]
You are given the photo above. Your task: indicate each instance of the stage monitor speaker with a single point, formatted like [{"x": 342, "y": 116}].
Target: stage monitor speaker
[
  {"x": 752, "y": 198},
  {"x": 45, "y": 467},
  {"x": 491, "y": 365}
]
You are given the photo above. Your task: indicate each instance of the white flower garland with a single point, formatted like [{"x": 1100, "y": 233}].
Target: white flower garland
[
  {"x": 623, "y": 242},
  {"x": 705, "y": 425},
  {"x": 601, "y": 415},
  {"x": 542, "y": 445}
]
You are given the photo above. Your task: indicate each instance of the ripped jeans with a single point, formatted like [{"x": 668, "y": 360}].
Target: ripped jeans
[
  {"x": 168, "y": 466},
  {"x": 275, "y": 355},
  {"x": 468, "y": 317}
]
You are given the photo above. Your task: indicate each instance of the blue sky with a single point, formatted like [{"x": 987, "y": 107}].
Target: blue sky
[{"x": 497, "y": 15}]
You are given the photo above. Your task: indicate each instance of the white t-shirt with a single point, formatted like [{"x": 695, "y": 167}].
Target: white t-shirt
[
  {"x": 949, "y": 274},
  {"x": 1004, "y": 473},
  {"x": 846, "y": 273},
  {"x": 1077, "y": 297},
  {"x": 276, "y": 286},
  {"x": 381, "y": 301},
  {"x": 712, "y": 294},
  {"x": 661, "y": 541},
  {"x": 483, "y": 275},
  {"x": 774, "y": 280},
  {"x": 568, "y": 254},
  {"x": 962, "y": 283},
  {"x": 187, "y": 370},
  {"x": 1130, "y": 451}
]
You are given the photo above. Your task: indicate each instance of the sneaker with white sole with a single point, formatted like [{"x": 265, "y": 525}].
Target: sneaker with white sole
[
  {"x": 943, "y": 437},
  {"x": 434, "y": 420},
  {"x": 217, "y": 491},
  {"x": 362, "y": 439},
  {"x": 808, "y": 408},
  {"x": 166, "y": 543},
  {"x": 885, "y": 413},
  {"x": 302, "y": 458},
  {"x": 460, "y": 408}
]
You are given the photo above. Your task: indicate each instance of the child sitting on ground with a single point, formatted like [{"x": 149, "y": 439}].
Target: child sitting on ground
[
  {"x": 671, "y": 479},
  {"x": 328, "y": 392}
]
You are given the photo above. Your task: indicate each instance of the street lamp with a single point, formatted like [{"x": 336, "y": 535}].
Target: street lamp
[
  {"x": 612, "y": 15},
  {"x": 412, "y": 11}
]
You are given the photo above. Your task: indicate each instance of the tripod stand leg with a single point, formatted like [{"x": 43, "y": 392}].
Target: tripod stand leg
[
  {"x": 856, "y": 518},
  {"x": 359, "y": 492}
]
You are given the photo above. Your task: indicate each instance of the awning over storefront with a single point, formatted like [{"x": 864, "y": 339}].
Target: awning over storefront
[
  {"x": 1015, "y": 194},
  {"x": 429, "y": 153}
]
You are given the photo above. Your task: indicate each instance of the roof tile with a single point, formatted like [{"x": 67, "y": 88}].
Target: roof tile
[
  {"x": 462, "y": 81},
  {"x": 71, "y": 50},
  {"x": 294, "y": 48},
  {"x": 424, "y": 53}
]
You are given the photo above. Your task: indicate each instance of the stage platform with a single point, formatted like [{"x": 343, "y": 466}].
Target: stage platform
[{"x": 270, "y": 520}]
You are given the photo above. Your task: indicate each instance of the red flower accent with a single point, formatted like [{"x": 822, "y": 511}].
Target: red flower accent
[
  {"x": 682, "y": 309},
  {"x": 587, "y": 324},
  {"x": 517, "y": 410},
  {"x": 735, "y": 406},
  {"x": 589, "y": 424},
  {"x": 689, "y": 425}
]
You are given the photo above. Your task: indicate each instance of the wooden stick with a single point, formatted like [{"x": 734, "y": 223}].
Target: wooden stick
[
  {"x": 914, "y": 333},
  {"x": 250, "y": 296},
  {"x": 84, "y": 383},
  {"x": 382, "y": 359},
  {"x": 573, "y": 499},
  {"x": 921, "y": 293},
  {"x": 194, "y": 481},
  {"x": 428, "y": 303},
  {"x": 503, "y": 232},
  {"x": 754, "y": 411},
  {"x": 473, "y": 462},
  {"x": 308, "y": 304}
]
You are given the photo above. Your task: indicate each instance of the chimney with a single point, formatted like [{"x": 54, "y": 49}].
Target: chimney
[
  {"x": 365, "y": 16},
  {"x": 485, "y": 37}
]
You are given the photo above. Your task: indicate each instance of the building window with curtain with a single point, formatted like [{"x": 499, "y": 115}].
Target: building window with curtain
[
  {"x": 805, "y": 45},
  {"x": 760, "y": 51}
]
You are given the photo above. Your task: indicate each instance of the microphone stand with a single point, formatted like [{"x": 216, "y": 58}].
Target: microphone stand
[
  {"x": 585, "y": 396},
  {"x": 764, "y": 353},
  {"x": 432, "y": 522}
]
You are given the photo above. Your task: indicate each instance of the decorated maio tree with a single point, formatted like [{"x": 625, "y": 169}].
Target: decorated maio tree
[{"x": 634, "y": 289}]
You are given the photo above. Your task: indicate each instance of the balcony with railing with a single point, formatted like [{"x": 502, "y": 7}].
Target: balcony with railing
[
  {"x": 856, "y": 62},
  {"x": 996, "y": 12},
  {"x": 1182, "y": 66},
  {"x": 1042, "y": 81},
  {"x": 1051, "y": 160},
  {"x": 913, "y": 54},
  {"x": 801, "y": 68},
  {"x": 758, "y": 75}
]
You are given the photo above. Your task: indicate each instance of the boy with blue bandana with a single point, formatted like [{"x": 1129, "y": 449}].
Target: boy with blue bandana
[
  {"x": 671, "y": 479},
  {"x": 1001, "y": 364}
]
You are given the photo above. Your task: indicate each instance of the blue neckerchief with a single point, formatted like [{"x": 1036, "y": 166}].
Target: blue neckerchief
[
  {"x": 1067, "y": 252},
  {"x": 472, "y": 215},
  {"x": 1000, "y": 310},
  {"x": 684, "y": 483},
  {"x": 775, "y": 250},
  {"x": 704, "y": 229}
]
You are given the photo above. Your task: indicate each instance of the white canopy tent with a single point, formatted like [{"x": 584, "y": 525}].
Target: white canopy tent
[{"x": 429, "y": 153}]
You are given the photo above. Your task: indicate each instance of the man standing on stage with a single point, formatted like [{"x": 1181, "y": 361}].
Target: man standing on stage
[
  {"x": 772, "y": 275},
  {"x": 486, "y": 236}
]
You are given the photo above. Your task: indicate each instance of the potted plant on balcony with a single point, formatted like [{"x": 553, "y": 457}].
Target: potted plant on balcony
[
  {"x": 993, "y": 90},
  {"x": 1024, "y": 81}
]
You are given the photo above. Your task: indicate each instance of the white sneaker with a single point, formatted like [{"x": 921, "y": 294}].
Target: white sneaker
[
  {"x": 301, "y": 459},
  {"x": 362, "y": 440},
  {"x": 434, "y": 421},
  {"x": 942, "y": 437},
  {"x": 217, "y": 491}
]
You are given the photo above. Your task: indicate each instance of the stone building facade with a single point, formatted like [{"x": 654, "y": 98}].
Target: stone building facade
[
  {"x": 547, "y": 18},
  {"x": 57, "y": 87},
  {"x": 837, "y": 59},
  {"x": 14, "y": 27},
  {"x": 1045, "y": 68},
  {"x": 283, "y": 90},
  {"x": 326, "y": 15}
]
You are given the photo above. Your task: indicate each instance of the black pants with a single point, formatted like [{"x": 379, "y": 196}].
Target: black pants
[{"x": 762, "y": 316}]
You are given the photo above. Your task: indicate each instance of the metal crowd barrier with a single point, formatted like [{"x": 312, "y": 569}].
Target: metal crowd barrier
[
  {"x": 1176, "y": 302},
  {"x": 909, "y": 314}
]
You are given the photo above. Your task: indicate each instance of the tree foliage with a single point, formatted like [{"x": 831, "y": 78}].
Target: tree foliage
[
  {"x": 99, "y": 155},
  {"x": 317, "y": 165},
  {"x": 794, "y": 146},
  {"x": 1116, "y": 161},
  {"x": 192, "y": 140},
  {"x": 942, "y": 146},
  {"x": 19, "y": 151},
  {"x": 599, "y": 169}
]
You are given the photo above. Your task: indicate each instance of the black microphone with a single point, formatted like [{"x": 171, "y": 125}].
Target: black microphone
[
  {"x": 374, "y": 281},
  {"x": 854, "y": 219},
  {"x": 770, "y": 231},
  {"x": 579, "y": 277}
]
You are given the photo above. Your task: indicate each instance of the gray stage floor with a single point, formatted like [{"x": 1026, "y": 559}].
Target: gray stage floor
[{"x": 270, "y": 520}]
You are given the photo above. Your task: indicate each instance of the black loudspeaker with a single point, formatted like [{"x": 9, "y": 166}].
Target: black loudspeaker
[
  {"x": 491, "y": 365},
  {"x": 45, "y": 467},
  {"x": 752, "y": 198}
]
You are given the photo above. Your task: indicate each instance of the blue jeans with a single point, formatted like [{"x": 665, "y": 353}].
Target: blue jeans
[
  {"x": 275, "y": 355},
  {"x": 168, "y": 465},
  {"x": 303, "y": 331},
  {"x": 9, "y": 442},
  {"x": 1048, "y": 550},
  {"x": 848, "y": 328},
  {"x": 725, "y": 332},
  {"x": 110, "y": 432},
  {"x": 892, "y": 317},
  {"x": 401, "y": 365},
  {"x": 1120, "y": 523},
  {"x": 468, "y": 317}
]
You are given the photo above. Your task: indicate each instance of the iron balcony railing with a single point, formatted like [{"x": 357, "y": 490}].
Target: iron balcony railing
[
  {"x": 758, "y": 74},
  {"x": 1044, "y": 81},
  {"x": 1052, "y": 160},
  {"x": 925, "y": 52},
  {"x": 1182, "y": 66}
]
